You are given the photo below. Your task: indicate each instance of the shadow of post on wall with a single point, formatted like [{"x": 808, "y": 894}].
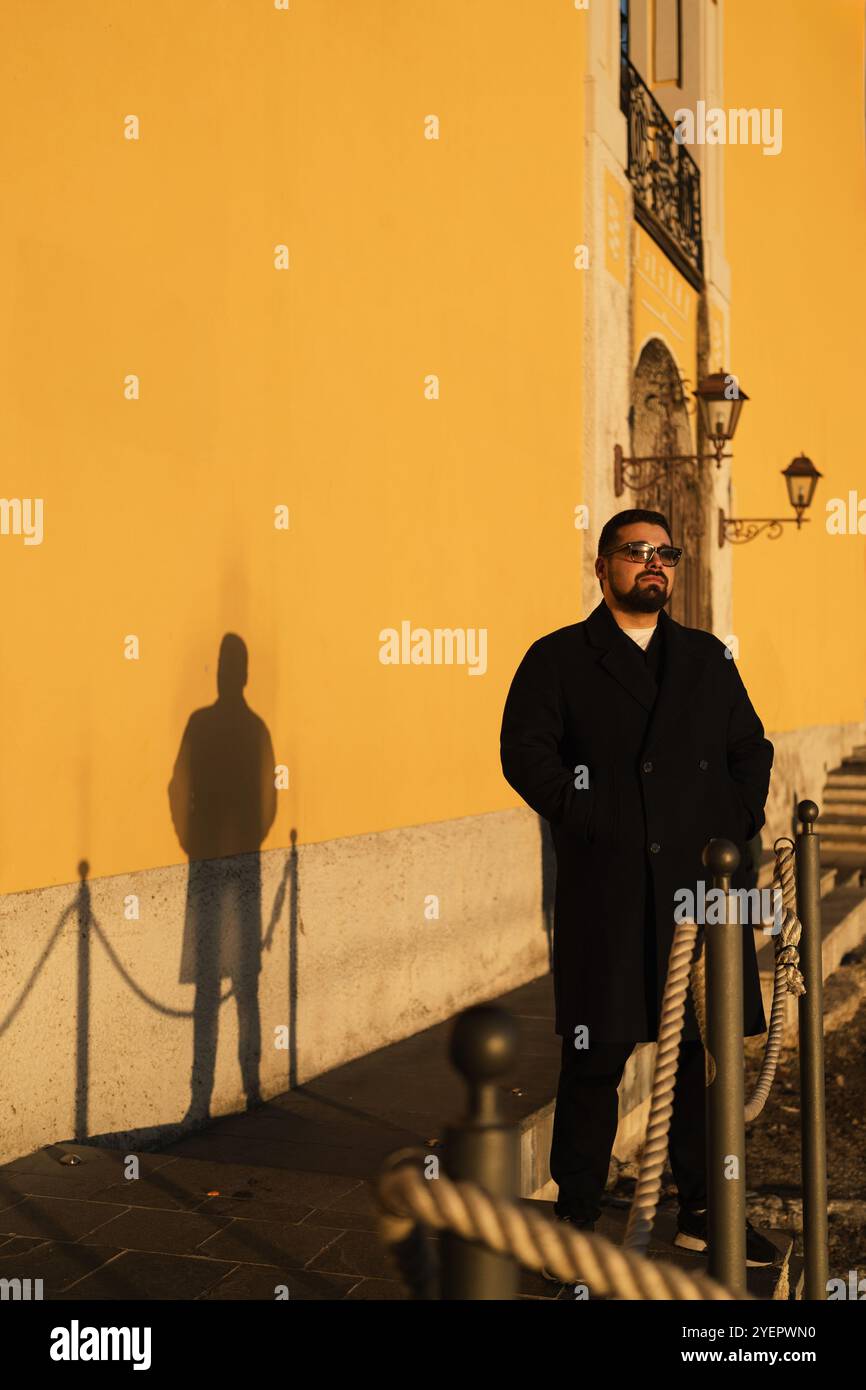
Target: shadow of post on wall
[
  {"x": 290, "y": 876},
  {"x": 82, "y": 1002}
]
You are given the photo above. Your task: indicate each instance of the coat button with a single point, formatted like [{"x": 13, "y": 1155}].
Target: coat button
[
  {"x": 647, "y": 767},
  {"x": 703, "y": 764},
  {"x": 655, "y": 847}
]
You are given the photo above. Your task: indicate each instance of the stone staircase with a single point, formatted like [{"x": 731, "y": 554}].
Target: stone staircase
[
  {"x": 842, "y": 824},
  {"x": 843, "y": 882}
]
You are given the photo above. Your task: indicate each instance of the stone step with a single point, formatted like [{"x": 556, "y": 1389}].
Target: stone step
[
  {"x": 842, "y": 804},
  {"x": 828, "y": 879},
  {"x": 840, "y": 778},
  {"x": 844, "y": 835},
  {"x": 849, "y": 865},
  {"x": 838, "y": 844},
  {"x": 849, "y": 874},
  {"x": 835, "y": 818},
  {"x": 843, "y": 926}
]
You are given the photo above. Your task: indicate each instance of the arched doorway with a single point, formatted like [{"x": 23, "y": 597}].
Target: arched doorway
[{"x": 659, "y": 425}]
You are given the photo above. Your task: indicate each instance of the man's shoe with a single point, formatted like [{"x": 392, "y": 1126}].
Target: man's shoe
[
  {"x": 580, "y": 1226},
  {"x": 759, "y": 1250},
  {"x": 692, "y": 1235},
  {"x": 692, "y": 1230}
]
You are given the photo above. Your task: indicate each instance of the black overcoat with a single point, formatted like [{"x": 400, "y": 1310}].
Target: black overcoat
[{"x": 670, "y": 765}]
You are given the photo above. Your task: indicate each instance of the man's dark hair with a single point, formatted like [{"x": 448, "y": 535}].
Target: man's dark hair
[{"x": 611, "y": 529}]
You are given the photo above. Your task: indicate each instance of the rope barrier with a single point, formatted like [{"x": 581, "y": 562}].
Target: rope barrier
[
  {"x": 408, "y": 1199},
  {"x": 787, "y": 977}
]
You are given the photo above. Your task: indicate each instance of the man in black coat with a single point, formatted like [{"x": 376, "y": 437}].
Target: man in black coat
[{"x": 635, "y": 738}]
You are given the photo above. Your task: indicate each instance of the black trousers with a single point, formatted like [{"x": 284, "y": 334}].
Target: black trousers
[{"x": 585, "y": 1121}]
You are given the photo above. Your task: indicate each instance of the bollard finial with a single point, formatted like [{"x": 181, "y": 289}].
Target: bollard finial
[
  {"x": 482, "y": 1147},
  {"x": 807, "y": 811},
  {"x": 721, "y": 857},
  {"x": 484, "y": 1043}
]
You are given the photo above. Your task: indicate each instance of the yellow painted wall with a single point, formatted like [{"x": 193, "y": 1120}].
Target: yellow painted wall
[
  {"x": 796, "y": 233},
  {"x": 304, "y": 387}
]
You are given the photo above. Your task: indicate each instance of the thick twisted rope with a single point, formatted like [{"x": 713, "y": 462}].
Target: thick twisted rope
[
  {"x": 787, "y": 979},
  {"x": 406, "y": 1197},
  {"x": 648, "y": 1188}
]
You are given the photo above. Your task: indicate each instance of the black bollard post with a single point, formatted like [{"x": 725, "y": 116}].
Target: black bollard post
[
  {"x": 482, "y": 1148},
  {"x": 726, "y": 1128},
  {"x": 810, "y": 1008}
]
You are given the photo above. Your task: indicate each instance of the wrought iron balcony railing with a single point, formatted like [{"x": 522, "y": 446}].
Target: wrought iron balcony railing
[{"x": 665, "y": 178}]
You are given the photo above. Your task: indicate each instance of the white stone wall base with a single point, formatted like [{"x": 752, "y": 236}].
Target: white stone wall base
[{"x": 369, "y": 969}]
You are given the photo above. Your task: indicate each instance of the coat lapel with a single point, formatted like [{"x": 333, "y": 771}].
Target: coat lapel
[
  {"x": 682, "y": 671},
  {"x": 668, "y": 701},
  {"x": 626, "y": 666}
]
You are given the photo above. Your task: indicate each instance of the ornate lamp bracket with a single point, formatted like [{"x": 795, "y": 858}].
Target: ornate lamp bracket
[
  {"x": 627, "y": 471},
  {"x": 741, "y": 529}
]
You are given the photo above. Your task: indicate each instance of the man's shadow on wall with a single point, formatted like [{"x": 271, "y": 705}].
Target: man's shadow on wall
[{"x": 223, "y": 803}]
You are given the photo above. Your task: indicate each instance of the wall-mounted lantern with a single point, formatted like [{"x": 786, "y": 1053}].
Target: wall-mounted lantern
[
  {"x": 720, "y": 401},
  {"x": 801, "y": 478}
]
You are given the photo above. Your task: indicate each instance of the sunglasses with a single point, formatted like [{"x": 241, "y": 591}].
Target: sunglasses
[{"x": 639, "y": 552}]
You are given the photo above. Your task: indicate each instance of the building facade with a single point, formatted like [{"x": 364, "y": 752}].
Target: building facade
[{"x": 323, "y": 326}]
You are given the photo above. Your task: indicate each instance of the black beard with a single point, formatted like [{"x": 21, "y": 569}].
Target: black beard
[{"x": 642, "y": 597}]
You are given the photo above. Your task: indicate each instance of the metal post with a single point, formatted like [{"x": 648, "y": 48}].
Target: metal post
[
  {"x": 482, "y": 1148},
  {"x": 811, "y": 1019},
  {"x": 726, "y": 1129}
]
